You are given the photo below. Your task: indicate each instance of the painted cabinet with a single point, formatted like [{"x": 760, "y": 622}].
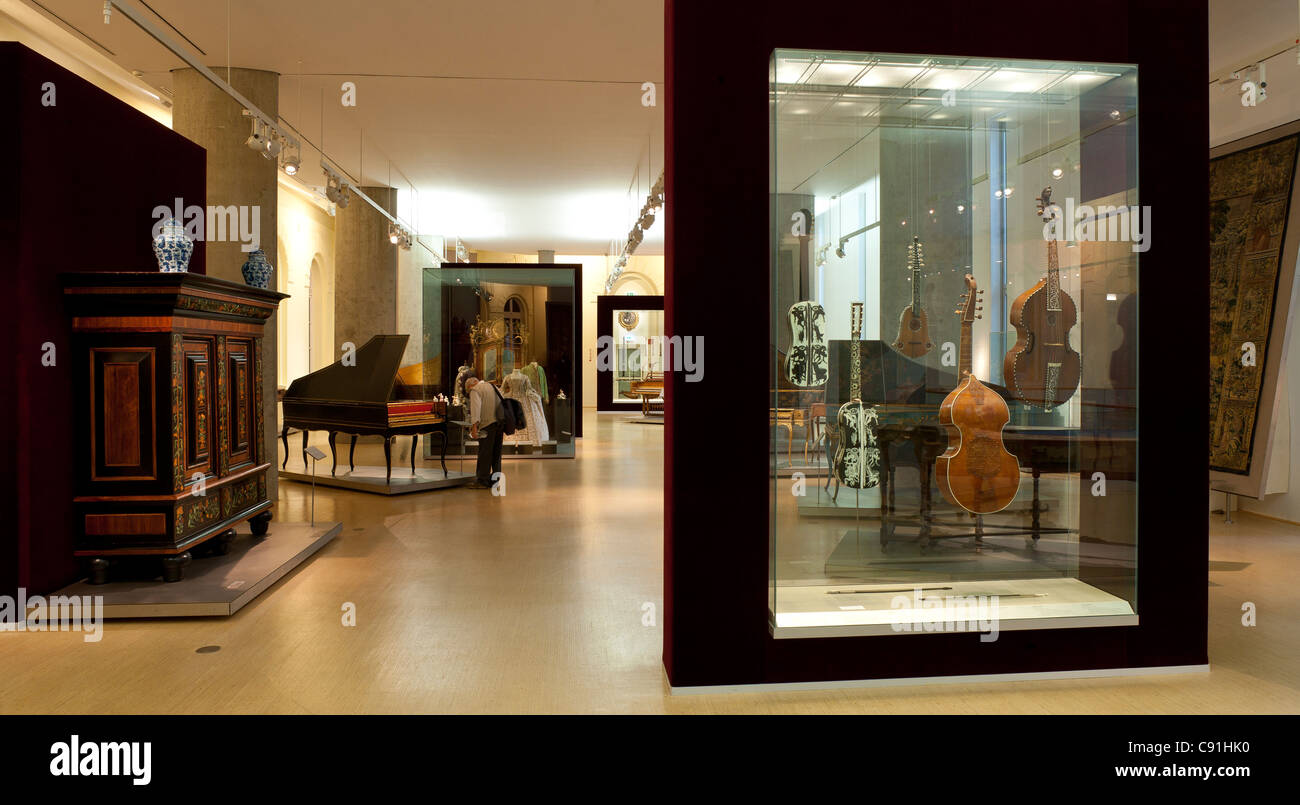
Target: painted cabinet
[{"x": 169, "y": 424}]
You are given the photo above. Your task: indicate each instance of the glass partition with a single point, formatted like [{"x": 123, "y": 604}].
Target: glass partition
[
  {"x": 638, "y": 364},
  {"x": 953, "y": 404},
  {"x": 514, "y": 327}
]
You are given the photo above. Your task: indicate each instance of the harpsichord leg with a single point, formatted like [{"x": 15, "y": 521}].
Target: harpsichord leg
[{"x": 334, "y": 455}]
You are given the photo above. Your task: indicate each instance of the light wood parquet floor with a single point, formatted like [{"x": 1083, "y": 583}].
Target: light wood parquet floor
[{"x": 533, "y": 603}]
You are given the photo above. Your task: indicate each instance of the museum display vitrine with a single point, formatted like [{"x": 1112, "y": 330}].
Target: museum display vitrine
[
  {"x": 630, "y": 344},
  {"x": 953, "y": 342},
  {"x": 514, "y": 325}
]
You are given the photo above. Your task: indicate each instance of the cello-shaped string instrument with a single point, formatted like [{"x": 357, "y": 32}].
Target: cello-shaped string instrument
[
  {"x": 976, "y": 472},
  {"x": 857, "y": 460},
  {"x": 806, "y": 362},
  {"x": 913, "y": 324},
  {"x": 1042, "y": 369}
]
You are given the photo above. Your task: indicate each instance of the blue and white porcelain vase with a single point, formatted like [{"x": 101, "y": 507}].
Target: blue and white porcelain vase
[
  {"x": 257, "y": 271},
  {"x": 172, "y": 247}
]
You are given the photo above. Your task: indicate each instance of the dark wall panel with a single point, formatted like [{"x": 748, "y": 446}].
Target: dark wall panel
[
  {"x": 83, "y": 177},
  {"x": 716, "y": 555}
]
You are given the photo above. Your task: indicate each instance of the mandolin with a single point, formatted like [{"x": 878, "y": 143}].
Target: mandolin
[
  {"x": 913, "y": 325},
  {"x": 857, "y": 460},
  {"x": 976, "y": 472},
  {"x": 806, "y": 362},
  {"x": 1042, "y": 369}
]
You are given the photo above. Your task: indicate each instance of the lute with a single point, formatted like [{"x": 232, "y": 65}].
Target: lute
[
  {"x": 976, "y": 472},
  {"x": 913, "y": 325},
  {"x": 1042, "y": 369},
  {"x": 857, "y": 460}
]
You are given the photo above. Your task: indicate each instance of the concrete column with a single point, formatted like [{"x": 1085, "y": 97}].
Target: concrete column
[
  {"x": 237, "y": 176},
  {"x": 365, "y": 295}
]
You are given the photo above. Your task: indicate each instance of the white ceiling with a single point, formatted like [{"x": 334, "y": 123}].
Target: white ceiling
[
  {"x": 519, "y": 123},
  {"x": 1243, "y": 31}
]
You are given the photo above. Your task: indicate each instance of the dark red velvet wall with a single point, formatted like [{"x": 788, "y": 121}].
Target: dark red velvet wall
[{"x": 83, "y": 177}]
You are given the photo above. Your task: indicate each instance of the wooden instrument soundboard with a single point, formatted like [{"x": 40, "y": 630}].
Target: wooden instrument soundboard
[{"x": 976, "y": 472}]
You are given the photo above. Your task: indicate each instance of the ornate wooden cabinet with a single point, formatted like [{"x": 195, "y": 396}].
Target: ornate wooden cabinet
[{"x": 170, "y": 432}]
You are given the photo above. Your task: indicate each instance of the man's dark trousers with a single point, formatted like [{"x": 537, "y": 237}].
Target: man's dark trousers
[{"x": 489, "y": 452}]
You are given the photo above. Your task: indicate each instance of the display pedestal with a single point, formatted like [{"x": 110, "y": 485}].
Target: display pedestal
[
  {"x": 377, "y": 481},
  {"x": 219, "y": 585}
]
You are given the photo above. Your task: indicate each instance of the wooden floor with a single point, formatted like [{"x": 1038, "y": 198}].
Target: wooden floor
[{"x": 533, "y": 603}]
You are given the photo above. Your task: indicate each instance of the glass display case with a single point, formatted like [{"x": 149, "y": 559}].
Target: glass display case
[
  {"x": 630, "y": 329},
  {"x": 953, "y": 393},
  {"x": 515, "y": 326}
]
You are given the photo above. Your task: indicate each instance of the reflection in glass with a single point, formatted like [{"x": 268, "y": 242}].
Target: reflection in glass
[{"x": 954, "y": 253}]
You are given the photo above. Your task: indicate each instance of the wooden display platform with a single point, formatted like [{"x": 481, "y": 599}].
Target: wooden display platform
[
  {"x": 371, "y": 479},
  {"x": 214, "y": 585}
]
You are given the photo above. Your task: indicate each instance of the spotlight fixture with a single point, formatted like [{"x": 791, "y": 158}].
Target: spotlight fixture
[
  {"x": 398, "y": 236},
  {"x": 292, "y": 164},
  {"x": 273, "y": 148},
  {"x": 1057, "y": 173},
  {"x": 336, "y": 189},
  {"x": 256, "y": 141}
]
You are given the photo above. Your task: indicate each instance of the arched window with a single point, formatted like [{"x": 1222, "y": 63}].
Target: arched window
[{"x": 514, "y": 319}]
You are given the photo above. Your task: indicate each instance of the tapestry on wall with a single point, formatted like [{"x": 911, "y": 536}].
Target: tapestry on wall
[{"x": 1250, "y": 193}]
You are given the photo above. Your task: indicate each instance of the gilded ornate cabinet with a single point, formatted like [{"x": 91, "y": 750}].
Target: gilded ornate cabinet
[{"x": 170, "y": 431}]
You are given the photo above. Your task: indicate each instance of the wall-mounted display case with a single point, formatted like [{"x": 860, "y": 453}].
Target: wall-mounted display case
[
  {"x": 515, "y": 325},
  {"x": 955, "y": 257}
]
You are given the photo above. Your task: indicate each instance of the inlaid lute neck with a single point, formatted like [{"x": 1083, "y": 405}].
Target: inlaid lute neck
[
  {"x": 1053, "y": 277},
  {"x": 855, "y": 378}
]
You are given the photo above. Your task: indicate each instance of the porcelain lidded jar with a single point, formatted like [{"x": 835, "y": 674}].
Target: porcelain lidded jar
[
  {"x": 257, "y": 270},
  {"x": 172, "y": 247}
]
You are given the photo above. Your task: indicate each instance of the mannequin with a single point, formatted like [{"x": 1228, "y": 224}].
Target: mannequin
[
  {"x": 516, "y": 385},
  {"x": 537, "y": 376}
]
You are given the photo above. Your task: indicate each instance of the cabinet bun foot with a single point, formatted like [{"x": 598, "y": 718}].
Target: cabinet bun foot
[
  {"x": 173, "y": 567},
  {"x": 260, "y": 524},
  {"x": 97, "y": 571}
]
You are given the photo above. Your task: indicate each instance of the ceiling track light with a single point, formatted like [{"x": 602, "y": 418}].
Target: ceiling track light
[
  {"x": 399, "y": 236},
  {"x": 336, "y": 188},
  {"x": 292, "y": 163}
]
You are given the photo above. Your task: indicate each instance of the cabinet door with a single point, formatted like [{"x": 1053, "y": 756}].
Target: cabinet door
[
  {"x": 241, "y": 404},
  {"x": 198, "y": 382},
  {"x": 122, "y": 438}
]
